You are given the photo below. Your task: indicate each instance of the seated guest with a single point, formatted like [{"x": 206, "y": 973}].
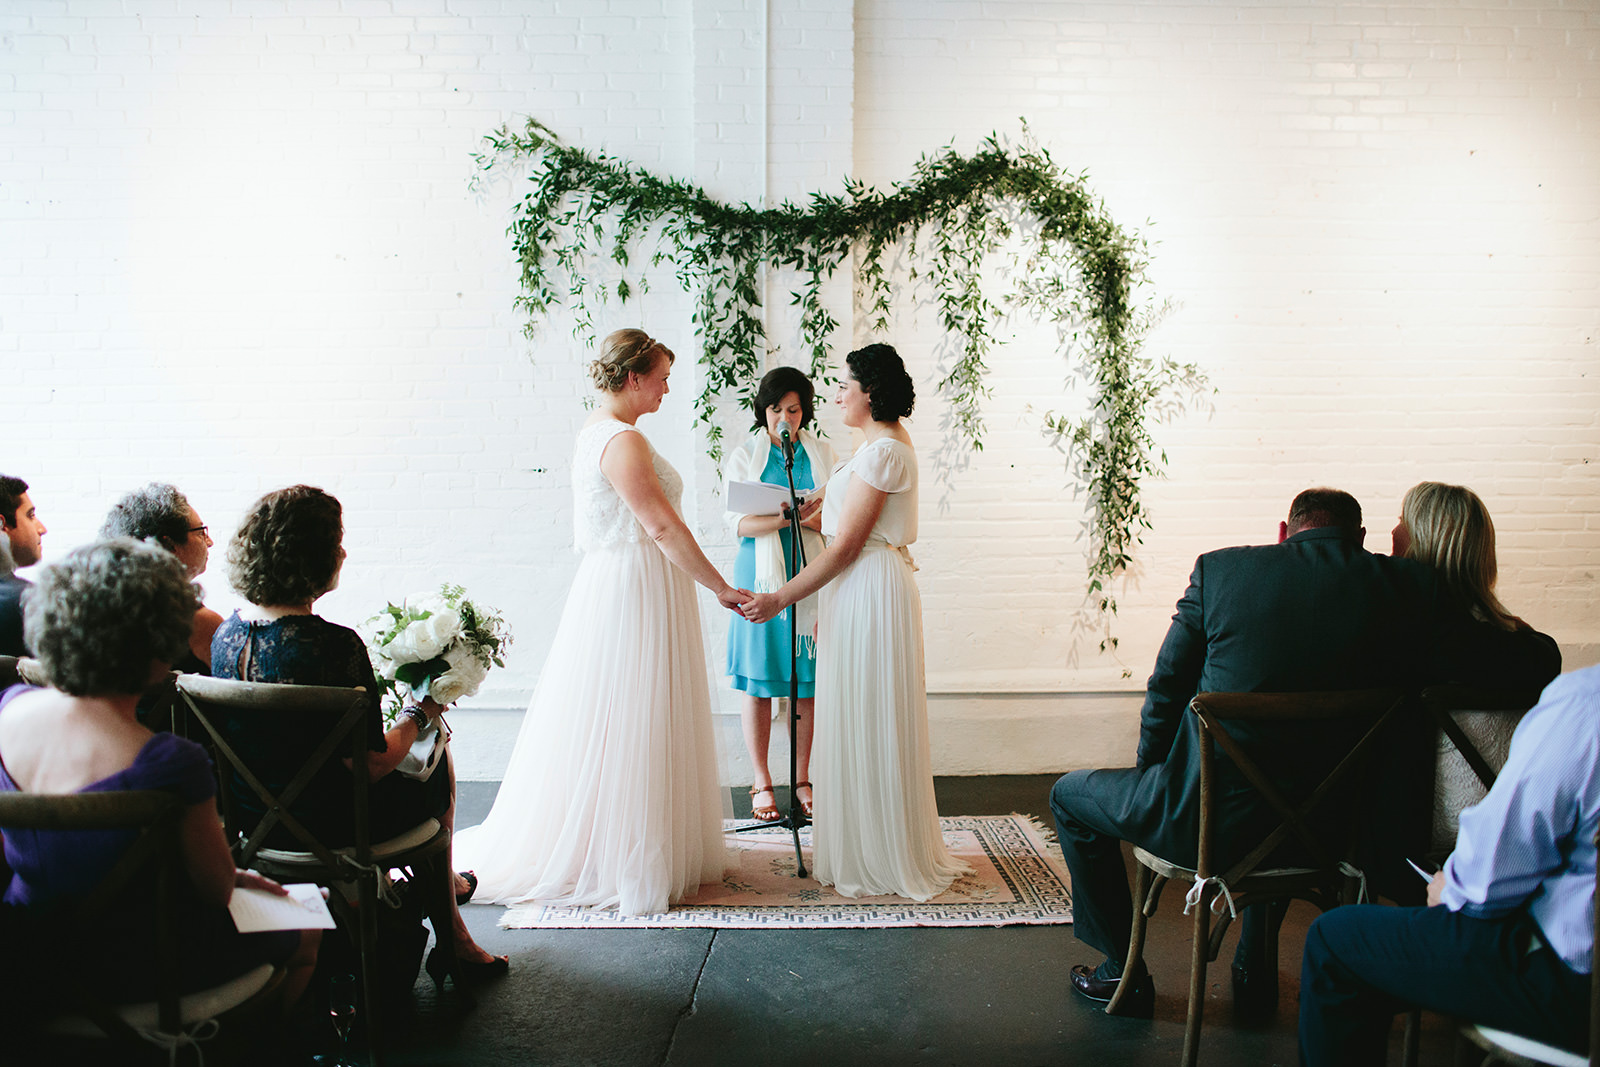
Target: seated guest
[
  {"x": 285, "y": 555},
  {"x": 105, "y": 621},
  {"x": 1315, "y": 611},
  {"x": 22, "y": 546},
  {"x": 160, "y": 513},
  {"x": 1448, "y": 528},
  {"x": 1507, "y": 938}
]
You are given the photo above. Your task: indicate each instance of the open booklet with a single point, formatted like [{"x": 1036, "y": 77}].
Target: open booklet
[
  {"x": 762, "y": 498},
  {"x": 255, "y": 910}
]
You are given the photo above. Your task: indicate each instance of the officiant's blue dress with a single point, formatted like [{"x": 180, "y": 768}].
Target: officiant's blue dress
[{"x": 759, "y": 653}]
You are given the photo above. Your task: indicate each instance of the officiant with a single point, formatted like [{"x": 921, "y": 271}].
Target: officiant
[{"x": 759, "y": 654}]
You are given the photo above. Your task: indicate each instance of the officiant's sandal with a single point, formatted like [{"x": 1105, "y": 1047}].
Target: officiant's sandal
[
  {"x": 805, "y": 805},
  {"x": 766, "y": 812}
]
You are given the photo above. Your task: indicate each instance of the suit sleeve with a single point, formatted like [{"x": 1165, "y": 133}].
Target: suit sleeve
[{"x": 1176, "y": 678}]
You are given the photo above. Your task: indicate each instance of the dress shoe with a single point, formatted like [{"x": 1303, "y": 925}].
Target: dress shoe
[
  {"x": 1255, "y": 992},
  {"x": 1092, "y": 984},
  {"x": 472, "y": 972}
]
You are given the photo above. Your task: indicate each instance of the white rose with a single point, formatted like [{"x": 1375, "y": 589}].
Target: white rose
[
  {"x": 462, "y": 679},
  {"x": 426, "y": 638}
]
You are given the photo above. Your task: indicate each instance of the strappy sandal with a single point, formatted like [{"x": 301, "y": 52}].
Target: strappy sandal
[
  {"x": 767, "y": 812},
  {"x": 805, "y": 805}
]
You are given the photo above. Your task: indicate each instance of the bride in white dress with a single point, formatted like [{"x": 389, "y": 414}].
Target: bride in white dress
[
  {"x": 611, "y": 797},
  {"x": 877, "y": 825}
]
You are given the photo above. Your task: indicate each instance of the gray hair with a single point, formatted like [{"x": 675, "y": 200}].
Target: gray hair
[
  {"x": 100, "y": 617},
  {"x": 157, "y": 511}
]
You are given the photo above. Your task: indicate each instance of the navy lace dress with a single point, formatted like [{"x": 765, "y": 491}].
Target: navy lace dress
[{"x": 309, "y": 650}]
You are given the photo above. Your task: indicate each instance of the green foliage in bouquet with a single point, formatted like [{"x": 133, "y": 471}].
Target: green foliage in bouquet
[{"x": 439, "y": 644}]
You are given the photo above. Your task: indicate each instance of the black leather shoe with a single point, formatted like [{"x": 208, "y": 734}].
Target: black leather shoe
[
  {"x": 1138, "y": 1003},
  {"x": 1255, "y": 992}
]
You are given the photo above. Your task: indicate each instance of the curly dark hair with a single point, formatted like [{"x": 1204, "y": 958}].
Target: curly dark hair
[
  {"x": 157, "y": 511},
  {"x": 882, "y": 376},
  {"x": 286, "y": 550},
  {"x": 625, "y": 352},
  {"x": 775, "y": 385},
  {"x": 99, "y": 618}
]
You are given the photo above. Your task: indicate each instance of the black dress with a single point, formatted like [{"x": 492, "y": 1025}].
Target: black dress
[{"x": 309, "y": 650}]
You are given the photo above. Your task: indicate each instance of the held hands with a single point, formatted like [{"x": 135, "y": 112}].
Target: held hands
[
  {"x": 762, "y": 606},
  {"x": 732, "y": 598}
]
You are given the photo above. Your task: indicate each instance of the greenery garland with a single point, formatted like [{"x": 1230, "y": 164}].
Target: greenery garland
[{"x": 1081, "y": 272}]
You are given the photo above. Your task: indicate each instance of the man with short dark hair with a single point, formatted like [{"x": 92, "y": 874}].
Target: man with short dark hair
[
  {"x": 1314, "y": 611},
  {"x": 22, "y": 546}
]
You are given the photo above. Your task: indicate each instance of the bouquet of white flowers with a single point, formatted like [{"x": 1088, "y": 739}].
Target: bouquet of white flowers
[{"x": 438, "y": 645}]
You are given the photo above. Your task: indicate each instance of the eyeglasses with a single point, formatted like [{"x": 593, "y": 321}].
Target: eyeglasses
[{"x": 204, "y": 530}]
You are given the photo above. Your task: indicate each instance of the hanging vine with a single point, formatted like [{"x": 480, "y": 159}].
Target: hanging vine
[{"x": 1081, "y": 271}]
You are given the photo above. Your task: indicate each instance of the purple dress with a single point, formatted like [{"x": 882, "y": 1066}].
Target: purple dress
[{"x": 51, "y": 869}]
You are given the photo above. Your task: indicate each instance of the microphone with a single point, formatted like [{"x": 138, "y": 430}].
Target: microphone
[{"x": 786, "y": 441}]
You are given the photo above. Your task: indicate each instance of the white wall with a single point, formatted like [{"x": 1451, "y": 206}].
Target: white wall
[{"x": 241, "y": 250}]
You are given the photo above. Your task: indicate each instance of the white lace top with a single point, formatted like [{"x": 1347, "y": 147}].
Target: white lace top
[{"x": 600, "y": 517}]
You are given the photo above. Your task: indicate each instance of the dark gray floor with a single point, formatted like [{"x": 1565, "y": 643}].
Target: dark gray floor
[{"x": 765, "y": 998}]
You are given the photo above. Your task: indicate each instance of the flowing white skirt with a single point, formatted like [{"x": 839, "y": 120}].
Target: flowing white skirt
[
  {"x": 877, "y": 825},
  {"x": 611, "y": 797}
]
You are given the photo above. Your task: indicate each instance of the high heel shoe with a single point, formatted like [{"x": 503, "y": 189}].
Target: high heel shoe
[{"x": 472, "y": 972}]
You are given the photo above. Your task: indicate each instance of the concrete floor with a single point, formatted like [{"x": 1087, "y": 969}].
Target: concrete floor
[{"x": 742, "y": 998}]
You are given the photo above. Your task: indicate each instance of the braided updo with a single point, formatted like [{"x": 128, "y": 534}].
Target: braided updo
[{"x": 625, "y": 352}]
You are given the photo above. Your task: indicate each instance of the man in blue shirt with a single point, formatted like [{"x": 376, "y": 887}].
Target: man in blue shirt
[
  {"x": 21, "y": 545},
  {"x": 1508, "y": 936}
]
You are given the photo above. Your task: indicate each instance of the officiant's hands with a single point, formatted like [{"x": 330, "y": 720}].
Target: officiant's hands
[{"x": 811, "y": 514}]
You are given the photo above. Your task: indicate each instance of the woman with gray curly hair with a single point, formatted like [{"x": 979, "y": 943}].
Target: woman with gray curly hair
[
  {"x": 611, "y": 798},
  {"x": 159, "y": 513},
  {"x": 105, "y": 621}
]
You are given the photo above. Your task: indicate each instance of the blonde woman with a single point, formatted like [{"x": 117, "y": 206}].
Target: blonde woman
[
  {"x": 1448, "y": 527},
  {"x": 611, "y": 799},
  {"x": 759, "y": 655}
]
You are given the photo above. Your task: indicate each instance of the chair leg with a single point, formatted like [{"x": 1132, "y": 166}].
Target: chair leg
[
  {"x": 1141, "y": 893},
  {"x": 1200, "y": 955},
  {"x": 371, "y": 977},
  {"x": 1411, "y": 1044}
]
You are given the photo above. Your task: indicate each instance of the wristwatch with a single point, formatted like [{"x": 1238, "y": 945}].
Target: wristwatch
[{"x": 415, "y": 713}]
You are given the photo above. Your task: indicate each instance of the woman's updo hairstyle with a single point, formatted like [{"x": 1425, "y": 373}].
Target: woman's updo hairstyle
[
  {"x": 882, "y": 375},
  {"x": 286, "y": 550},
  {"x": 778, "y": 383},
  {"x": 626, "y": 352}
]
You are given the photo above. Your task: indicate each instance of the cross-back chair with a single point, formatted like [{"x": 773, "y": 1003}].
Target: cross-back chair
[
  {"x": 362, "y": 866},
  {"x": 1304, "y": 823}
]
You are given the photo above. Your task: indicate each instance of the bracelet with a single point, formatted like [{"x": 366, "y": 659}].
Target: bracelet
[{"x": 415, "y": 713}]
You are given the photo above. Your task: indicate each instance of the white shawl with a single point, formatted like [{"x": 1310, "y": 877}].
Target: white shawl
[{"x": 745, "y": 465}]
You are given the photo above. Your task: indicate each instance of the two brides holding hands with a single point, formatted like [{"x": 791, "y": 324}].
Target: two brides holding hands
[{"x": 611, "y": 798}]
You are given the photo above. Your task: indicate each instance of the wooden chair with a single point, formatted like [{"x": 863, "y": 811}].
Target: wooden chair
[
  {"x": 362, "y": 867},
  {"x": 170, "y": 1019},
  {"x": 1446, "y": 703},
  {"x": 1328, "y": 881},
  {"x": 1475, "y": 728}
]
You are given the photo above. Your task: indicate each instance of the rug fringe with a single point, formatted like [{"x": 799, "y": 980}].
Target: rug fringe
[{"x": 1047, "y": 834}]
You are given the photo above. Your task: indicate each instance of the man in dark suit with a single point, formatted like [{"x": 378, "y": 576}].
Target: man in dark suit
[
  {"x": 21, "y": 545},
  {"x": 1314, "y": 611}
]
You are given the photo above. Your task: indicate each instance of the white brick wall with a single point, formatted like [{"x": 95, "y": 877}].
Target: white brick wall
[{"x": 241, "y": 250}]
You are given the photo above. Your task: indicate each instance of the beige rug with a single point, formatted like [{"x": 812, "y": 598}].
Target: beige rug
[{"x": 1018, "y": 877}]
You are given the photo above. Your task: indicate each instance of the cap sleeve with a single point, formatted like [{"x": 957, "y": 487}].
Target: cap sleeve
[
  {"x": 175, "y": 764},
  {"x": 882, "y": 465}
]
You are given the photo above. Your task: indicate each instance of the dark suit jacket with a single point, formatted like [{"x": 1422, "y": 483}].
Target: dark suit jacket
[
  {"x": 11, "y": 588},
  {"x": 1315, "y": 612}
]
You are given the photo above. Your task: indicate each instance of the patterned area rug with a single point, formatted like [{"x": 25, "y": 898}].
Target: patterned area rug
[{"x": 1018, "y": 877}]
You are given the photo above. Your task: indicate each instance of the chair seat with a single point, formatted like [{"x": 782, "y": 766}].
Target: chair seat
[
  {"x": 192, "y": 1007},
  {"x": 416, "y": 837},
  {"x": 1177, "y": 872},
  {"x": 1528, "y": 1048}
]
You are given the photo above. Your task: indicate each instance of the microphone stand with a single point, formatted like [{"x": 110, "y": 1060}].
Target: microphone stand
[{"x": 796, "y": 818}]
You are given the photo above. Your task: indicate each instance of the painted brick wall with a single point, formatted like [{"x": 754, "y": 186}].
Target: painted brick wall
[{"x": 242, "y": 250}]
